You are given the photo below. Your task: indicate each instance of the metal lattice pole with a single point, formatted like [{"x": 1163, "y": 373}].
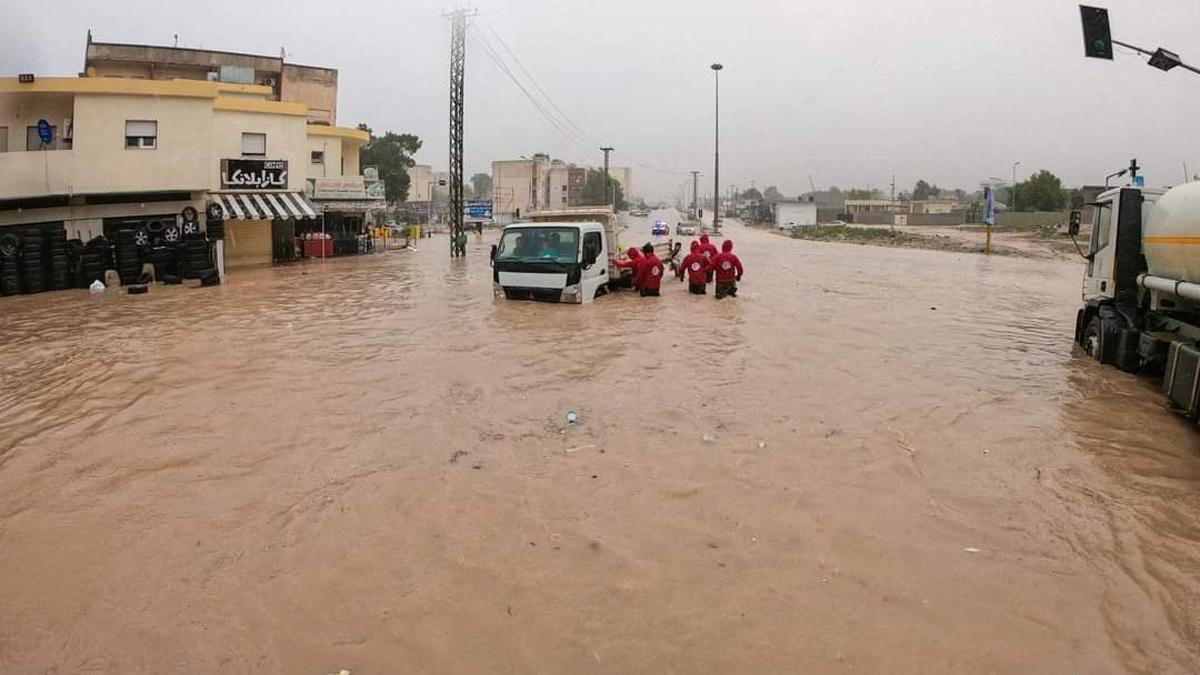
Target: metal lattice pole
[{"x": 458, "y": 55}]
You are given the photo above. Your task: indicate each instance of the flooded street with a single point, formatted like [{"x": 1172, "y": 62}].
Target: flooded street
[{"x": 874, "y": 460}]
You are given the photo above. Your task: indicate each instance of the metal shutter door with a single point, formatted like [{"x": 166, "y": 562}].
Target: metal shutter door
[{"x": 247, "y": 242}]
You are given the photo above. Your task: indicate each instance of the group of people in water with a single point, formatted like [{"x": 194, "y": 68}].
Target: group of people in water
[{"x": 703, "y": 265}]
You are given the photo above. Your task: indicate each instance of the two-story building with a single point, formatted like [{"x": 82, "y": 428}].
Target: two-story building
[{"x": 132, "y": 144}]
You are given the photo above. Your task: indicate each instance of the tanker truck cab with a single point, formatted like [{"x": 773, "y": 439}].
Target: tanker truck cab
[
  {"x": 551, "y": 262},
  {"x": 1141, "y": 287}
]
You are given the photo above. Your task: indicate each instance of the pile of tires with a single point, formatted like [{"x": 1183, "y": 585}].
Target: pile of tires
[
  {"x": 163, "y": 259},
  {"x": 33, "y": 262},
  {"x": 10, "y": 271},
  {"x": 95, "y": 258},
  {"x": 127, "y": 256},
  {"x": 58, "y": 267},
  {"x": 191, "y": 256}
]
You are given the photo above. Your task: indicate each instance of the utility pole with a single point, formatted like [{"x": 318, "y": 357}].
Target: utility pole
[
  {"x": 716, "y": 67},
  {"x": 458, "y": 58},
  {"x": 607, "y": 184},
  {"x": 696, "y": 194},
  {"x": 1013, "y": 205}
]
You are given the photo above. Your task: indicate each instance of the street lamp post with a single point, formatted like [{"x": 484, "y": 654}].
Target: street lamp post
[
  {"x": 1013, "y": 205},
  {"x": 716, "y": 67}
]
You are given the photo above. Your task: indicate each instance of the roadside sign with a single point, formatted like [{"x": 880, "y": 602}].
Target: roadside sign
[
  {"x": 45, "y": 132},
  {"x": 989, "y": 212},
  {"x": 478, "y": 210}
]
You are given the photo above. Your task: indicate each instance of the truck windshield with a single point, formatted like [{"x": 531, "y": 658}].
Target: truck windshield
[{"x": 557, "y": 244}]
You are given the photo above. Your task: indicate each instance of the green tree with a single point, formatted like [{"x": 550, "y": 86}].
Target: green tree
[
  {"x": 772, "y": 194},
  {"x": 923, "y": 191},
  {"x": 1042, "y": 192},
  {"x": 857, "y": 194},
  {"x": 481, "y": 186},
  {"x": 594, "y": 191},
  {"x": 752, "y": 195},
  {"x": 392, "y": 155}
]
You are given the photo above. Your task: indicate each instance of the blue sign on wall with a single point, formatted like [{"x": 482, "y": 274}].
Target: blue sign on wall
[
  {"x": 477, "y": 209},
  {"x": 45, "y": 132}
]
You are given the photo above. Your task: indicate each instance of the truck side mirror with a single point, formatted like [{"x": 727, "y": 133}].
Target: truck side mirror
[
  {"x": 1073, "y": 226},
  {"x": 492, "y": 258}
]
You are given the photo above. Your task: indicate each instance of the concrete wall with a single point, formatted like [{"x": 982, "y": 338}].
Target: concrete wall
[
  {"x": 315, "y": 87},
  {"x": 512, "y": 185},
  {"x": 922, "y": 219},
  {"x": 1032, "y": 219},
  {"x": 332, "y": 147},
  {"x": 287, "y": 139},
  {"x": 419, "y": 178},
  {"x": 98, "y": 161},
  {"x": 17, "y": 113}
]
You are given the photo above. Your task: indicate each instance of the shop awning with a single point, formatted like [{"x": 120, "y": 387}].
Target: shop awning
[{"x": 264, "y": 205}]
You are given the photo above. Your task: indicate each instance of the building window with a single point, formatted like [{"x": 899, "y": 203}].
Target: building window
[
  {"x": 3, "y": 139},
  {"x": 141, "y": 134},
  {"x": 318, "y": 156},
  {"x": 34, "y": 142},
  {"x": 254, "y": 145}
]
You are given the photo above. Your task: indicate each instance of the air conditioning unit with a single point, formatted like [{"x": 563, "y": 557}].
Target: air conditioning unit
[{"x": 269, "y": 81}]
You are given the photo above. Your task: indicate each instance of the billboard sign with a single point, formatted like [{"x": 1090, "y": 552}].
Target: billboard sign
[
  {"x": 254, "y": 174},
  {"x": 477, "y": 210}
]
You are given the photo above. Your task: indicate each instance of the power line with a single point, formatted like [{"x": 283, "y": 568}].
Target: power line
[
  {"x": 496, "y": 59},
  {"x": 566, "y": 118}
]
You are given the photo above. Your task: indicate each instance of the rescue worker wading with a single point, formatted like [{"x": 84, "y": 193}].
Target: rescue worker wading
[
  {"x": 708, "y": 251},
  {"x": 634, "y": 263},
  {"x": 728, "y": 270},
  {"x": 695, "y": 265},
  {"x": 650, "y": 273}
]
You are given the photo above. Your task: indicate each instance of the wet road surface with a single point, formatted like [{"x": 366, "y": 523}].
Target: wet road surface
[{"x": 874, "y": 460}]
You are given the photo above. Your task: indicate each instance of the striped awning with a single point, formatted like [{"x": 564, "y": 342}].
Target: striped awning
[{"x": 264, "y": 205}]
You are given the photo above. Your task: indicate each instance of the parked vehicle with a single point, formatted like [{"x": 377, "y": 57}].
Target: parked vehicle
[
  {"x": 1141, "y": 289},
  {"x": 660, "y": 228},
  {"x": 685, "y": 229}
]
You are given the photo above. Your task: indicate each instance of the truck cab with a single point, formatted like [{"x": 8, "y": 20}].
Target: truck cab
[
  {"x": 1115, "y": 249},
  {"x": 551, "y": 262}
]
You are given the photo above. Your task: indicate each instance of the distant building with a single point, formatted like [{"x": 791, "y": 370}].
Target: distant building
[
  {"x": 315, "y": 87},
  {"x": 854, "y": 206},
  {"x": 942, "y": 206},
  {"x": 624, "y": 176},
  {"x": 420, "y": 182},
  {"x": 795, "y": 214}
]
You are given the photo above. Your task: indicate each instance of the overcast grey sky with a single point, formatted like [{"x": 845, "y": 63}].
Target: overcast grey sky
[{"x": 849, "y": 92}]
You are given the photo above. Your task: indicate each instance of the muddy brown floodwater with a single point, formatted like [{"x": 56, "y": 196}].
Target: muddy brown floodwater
[{"x": 875, "y": 460}]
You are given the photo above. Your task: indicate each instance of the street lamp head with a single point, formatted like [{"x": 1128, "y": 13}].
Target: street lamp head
[{"x": 717, "y": 66}]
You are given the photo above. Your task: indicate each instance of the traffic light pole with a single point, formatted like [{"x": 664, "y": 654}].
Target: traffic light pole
[{"x": 1161, "y": 59}]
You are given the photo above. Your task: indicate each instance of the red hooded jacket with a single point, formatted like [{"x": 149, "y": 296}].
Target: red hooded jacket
[
  {"x": 707, "y": 249},
  {"x": 634, "y": 263},
  {"x": 650, "y": 273},
  {"x": 726, "y": 264},
  {"x": 696, "y": 265}
]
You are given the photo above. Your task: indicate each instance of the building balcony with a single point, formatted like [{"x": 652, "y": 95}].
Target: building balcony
[{"x": 33, "y": 174}]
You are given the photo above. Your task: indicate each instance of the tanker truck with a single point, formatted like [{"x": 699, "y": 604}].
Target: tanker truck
[{"x": 1141, "y": 288}]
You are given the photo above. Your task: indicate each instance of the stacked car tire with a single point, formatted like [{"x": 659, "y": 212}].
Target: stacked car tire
[
  {"x": 127, "y": 257},
  {"x": 58, "y": 263},
  {"x": 33, "y": 262},
  {"x": 93, "y": 261},
  {"x": 192, "y": 259},
  {"x": 10, "y": 270}
]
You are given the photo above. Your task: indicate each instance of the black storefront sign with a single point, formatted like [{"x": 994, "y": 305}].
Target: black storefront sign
[{"x": 254, "y": 174}]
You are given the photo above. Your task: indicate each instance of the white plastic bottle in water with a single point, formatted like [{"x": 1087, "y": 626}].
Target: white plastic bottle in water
[{"x": 96, "y": 287}]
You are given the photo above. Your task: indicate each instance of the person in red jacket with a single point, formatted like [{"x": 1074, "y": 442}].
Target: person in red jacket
[
  {"x": 696, "y": 266},
  {"x": 709, "y": 252},
  {"x": 634, "y": 263},
  {"x": 650, "y": 273},
  {"x": 728, "y": 269}
]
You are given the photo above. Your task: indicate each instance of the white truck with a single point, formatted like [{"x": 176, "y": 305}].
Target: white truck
[
  {"x": 560, "y": 256},
  {"x": 1141, "y": 290}
]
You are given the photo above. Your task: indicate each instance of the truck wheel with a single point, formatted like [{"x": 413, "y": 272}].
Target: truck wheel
[{"x": 1091, "y": 338}]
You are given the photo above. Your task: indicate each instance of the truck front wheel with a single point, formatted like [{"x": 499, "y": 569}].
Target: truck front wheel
[{"x": 1091, "y": 338}]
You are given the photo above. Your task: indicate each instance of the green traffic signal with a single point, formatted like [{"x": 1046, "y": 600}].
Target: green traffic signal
[{"x": 1097, "y": 36}]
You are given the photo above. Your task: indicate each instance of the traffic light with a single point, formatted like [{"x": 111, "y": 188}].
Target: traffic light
[{"x": 1097, "y": 36}]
